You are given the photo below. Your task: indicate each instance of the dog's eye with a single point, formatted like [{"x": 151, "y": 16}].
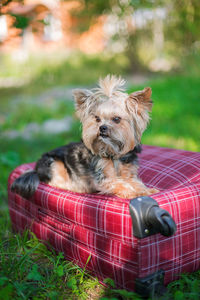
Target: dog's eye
[
  {"x": 116, "y": 120},
  {"x": 97, "y": 119}
]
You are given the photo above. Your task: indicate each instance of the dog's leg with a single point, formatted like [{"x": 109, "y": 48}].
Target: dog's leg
[
  {"x": 59, "y": 175},
  {"x": 126, "y": 189}
]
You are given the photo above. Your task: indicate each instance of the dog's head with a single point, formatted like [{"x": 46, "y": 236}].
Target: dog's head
[{"x": 112, "y": 120}]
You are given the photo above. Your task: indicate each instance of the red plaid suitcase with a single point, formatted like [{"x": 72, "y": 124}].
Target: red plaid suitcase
[{"x": 108, "y": 230}]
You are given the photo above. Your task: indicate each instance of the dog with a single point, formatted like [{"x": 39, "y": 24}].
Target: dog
[{"x": 105, "y": 161}]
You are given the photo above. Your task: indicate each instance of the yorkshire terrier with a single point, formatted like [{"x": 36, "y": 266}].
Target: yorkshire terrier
[{"x": 105, "y": 161}]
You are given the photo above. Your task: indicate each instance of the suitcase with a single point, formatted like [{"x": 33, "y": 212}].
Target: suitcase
[{"x": 142, "y": 243}]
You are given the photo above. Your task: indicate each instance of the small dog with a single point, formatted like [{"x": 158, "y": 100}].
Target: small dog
[{"x": 105, "y": 161}]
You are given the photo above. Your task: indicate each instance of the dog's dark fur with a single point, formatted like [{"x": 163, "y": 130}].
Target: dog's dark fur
[{"x": 78, "y": 161}]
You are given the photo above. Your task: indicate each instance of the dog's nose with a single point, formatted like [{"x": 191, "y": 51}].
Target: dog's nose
[{"x": 103, "y": 128}]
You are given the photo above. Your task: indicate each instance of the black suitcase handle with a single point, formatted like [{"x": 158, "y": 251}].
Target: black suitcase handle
[{"x": 148, "y": 218}]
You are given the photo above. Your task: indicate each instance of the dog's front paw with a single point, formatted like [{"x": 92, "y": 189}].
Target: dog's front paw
[
  {"x": 146, "y": 192},
  {"x": 152, "y": 191}
]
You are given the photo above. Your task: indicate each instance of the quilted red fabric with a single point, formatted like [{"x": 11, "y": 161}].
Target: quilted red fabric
[{"x": 100, "y": 227}]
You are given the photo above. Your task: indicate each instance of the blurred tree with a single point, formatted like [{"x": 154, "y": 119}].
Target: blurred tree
[
  {"x": 180, "y": 27},
  {"x": 5, "y": 3},
  {"x": 175, "y": 35},
  {"x": 124, "y": 36},
  {"x": 21, "y": 22},
  {"x": 183, "y": 24}
]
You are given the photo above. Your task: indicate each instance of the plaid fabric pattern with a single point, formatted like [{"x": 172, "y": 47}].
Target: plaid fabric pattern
[{"x": 100, "y": 227}]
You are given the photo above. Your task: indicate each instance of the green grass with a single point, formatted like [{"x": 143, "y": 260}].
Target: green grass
[
  {"x": 175, "y": 113},
  {"x": 28, "y": 269},
  {"x": 60, "y": 69}
]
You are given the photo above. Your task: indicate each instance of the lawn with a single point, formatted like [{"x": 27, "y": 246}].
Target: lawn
[{"x": 28, "y": 270}]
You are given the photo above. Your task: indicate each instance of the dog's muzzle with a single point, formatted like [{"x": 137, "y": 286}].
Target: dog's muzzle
[{"x": 103, "y": 130}]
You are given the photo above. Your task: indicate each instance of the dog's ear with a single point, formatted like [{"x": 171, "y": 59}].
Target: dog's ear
[
  {"x": 81, "y": 97},
  {"x": 139, "y": 104},
  {"x": 142, "y": 99}
]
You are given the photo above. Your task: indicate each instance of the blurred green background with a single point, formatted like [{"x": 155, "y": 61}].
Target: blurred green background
[{"x": 47, "y": 48}]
